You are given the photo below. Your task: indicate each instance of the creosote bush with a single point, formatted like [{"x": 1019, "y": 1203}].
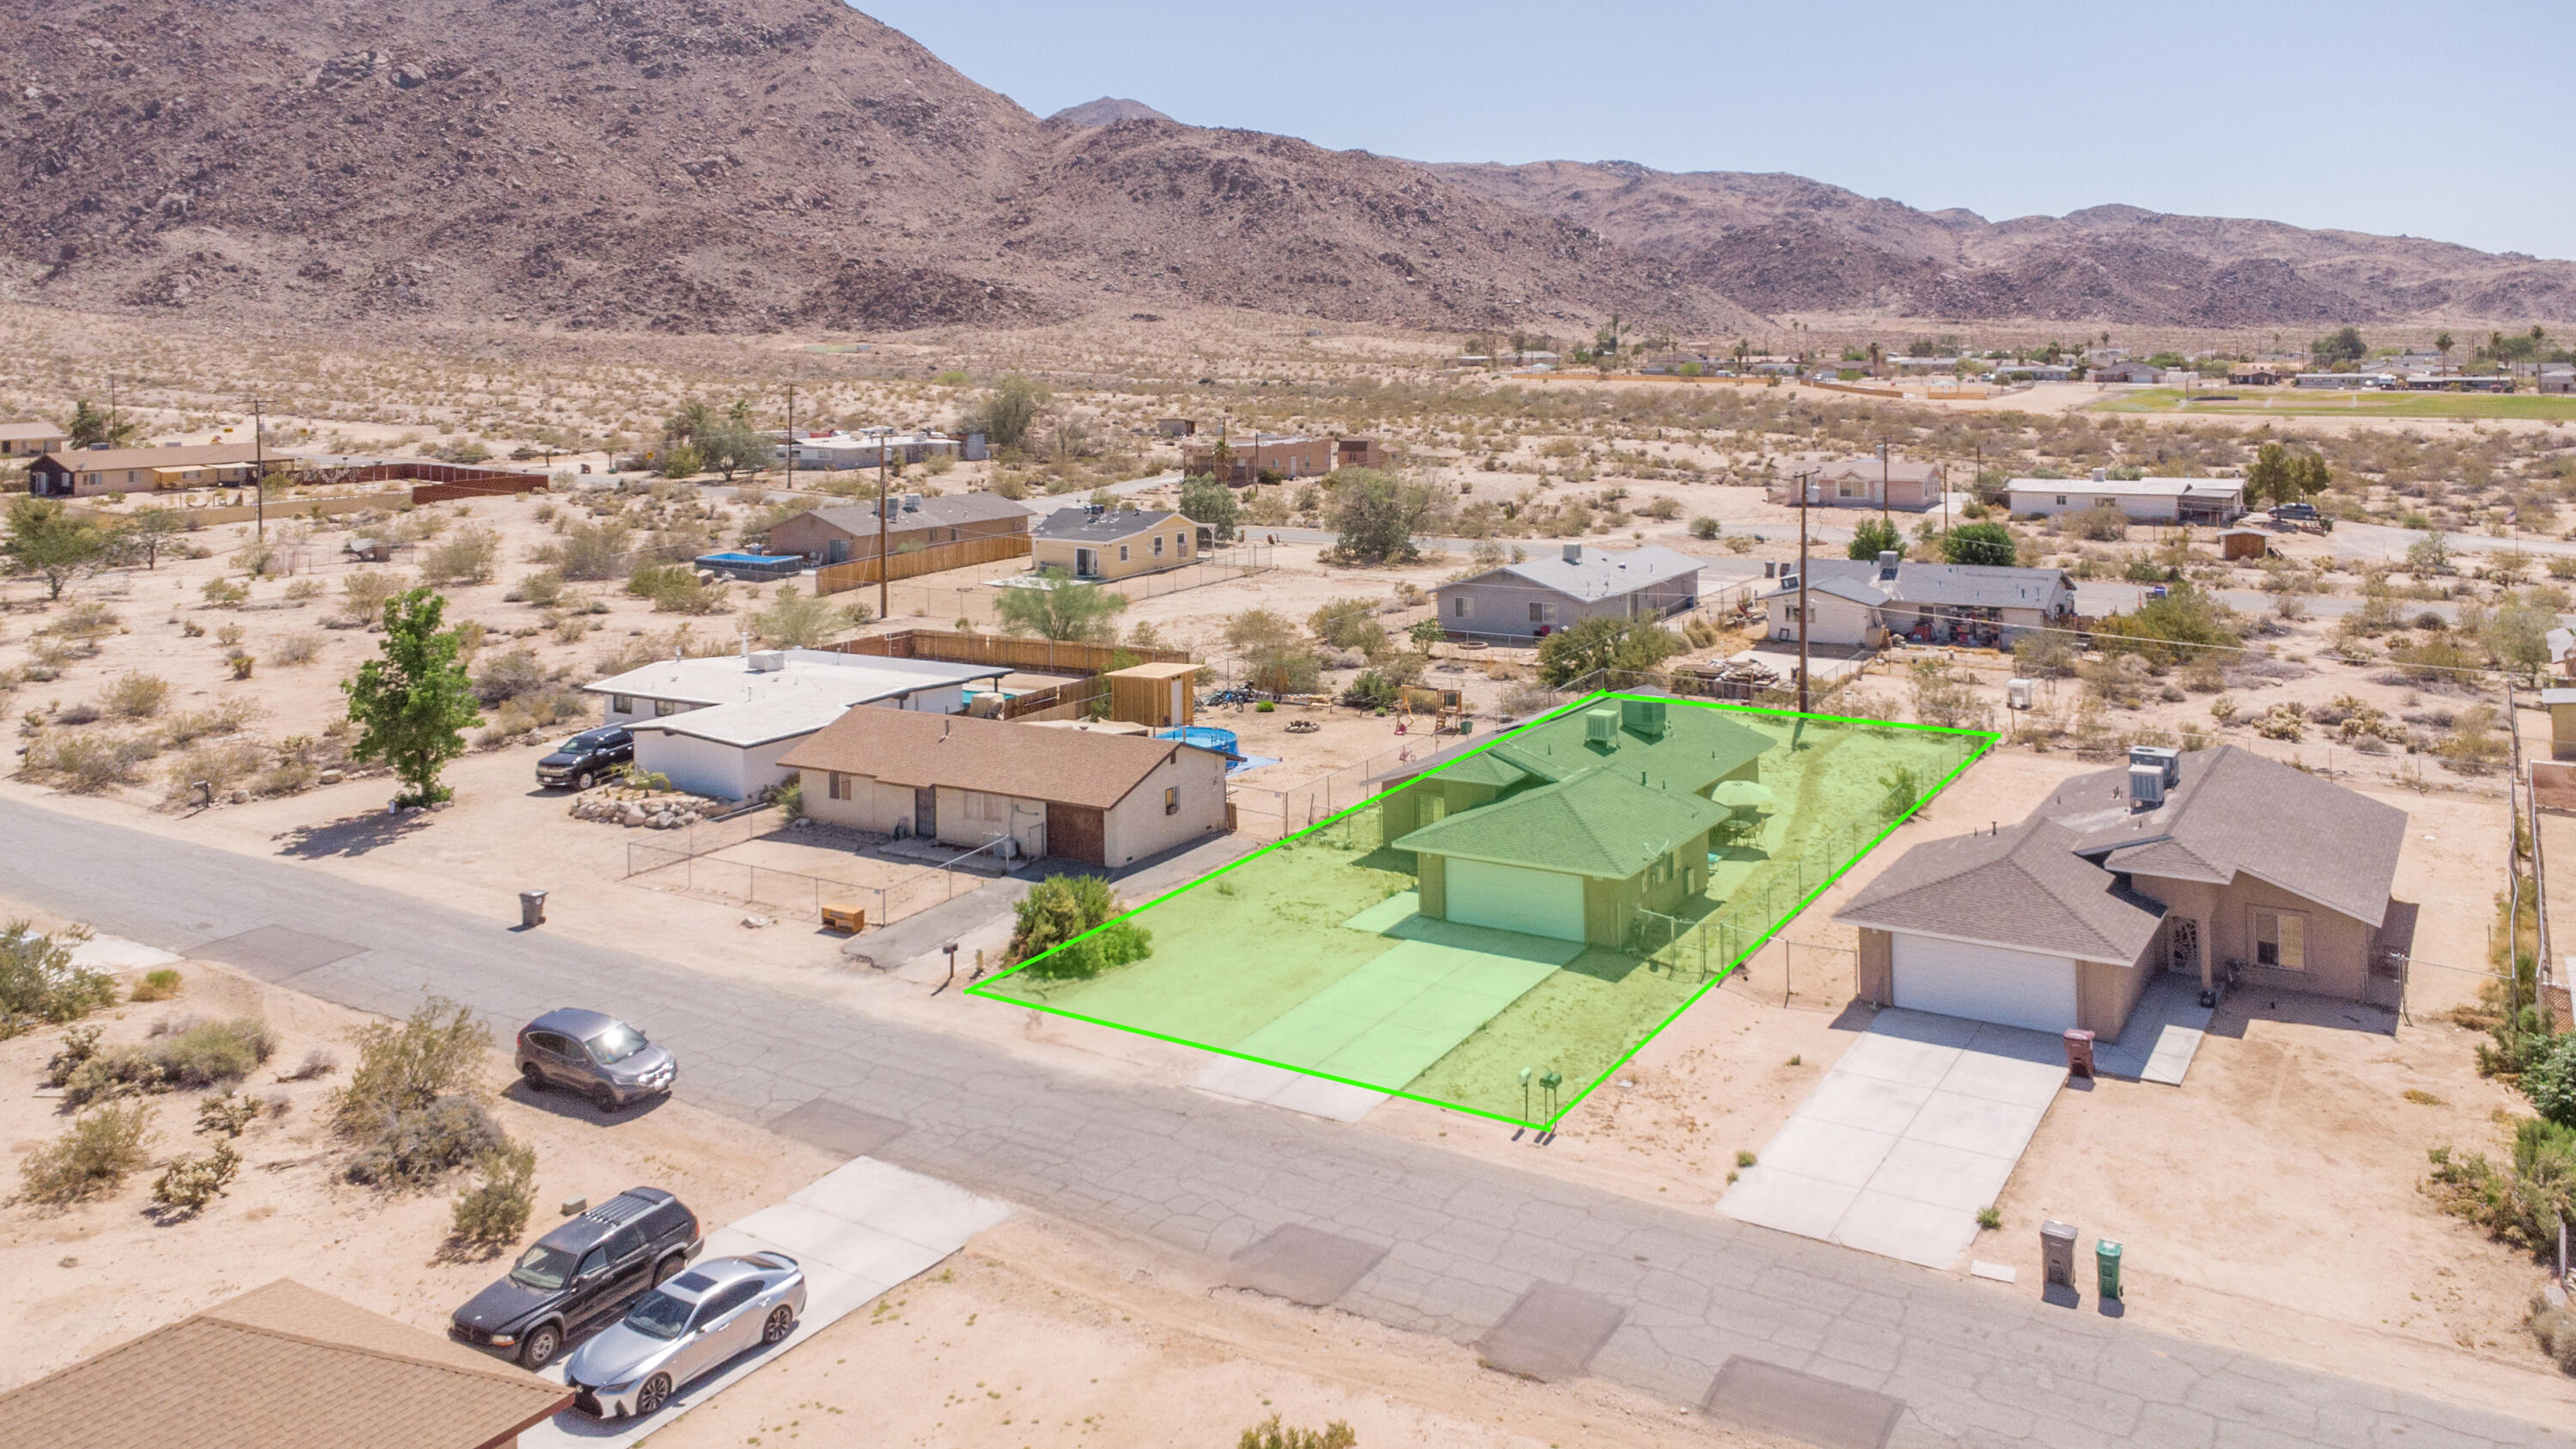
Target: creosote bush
[
  {"x": 496, "y": 1211},
  {"x": 194, "y": 1055},
  {"x": 91, "y": 1159},
  {"x": 39, "y": 983}
]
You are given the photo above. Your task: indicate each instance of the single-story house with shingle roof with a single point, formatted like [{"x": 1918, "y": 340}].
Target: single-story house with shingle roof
[
  {"x": 2216, "y": 864},
  {"x": 1112, "y": 543},
  {"x": 1570, "y": 829},
  {"x": 1847, "y": 599},
  {"x": 839, "y": 534},
  {"x": 283, "y": 1367},
  {"x": 1542, "y": 595}
]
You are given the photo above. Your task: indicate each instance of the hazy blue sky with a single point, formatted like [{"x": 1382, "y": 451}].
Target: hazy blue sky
[{"x": 2431, "y": 120}]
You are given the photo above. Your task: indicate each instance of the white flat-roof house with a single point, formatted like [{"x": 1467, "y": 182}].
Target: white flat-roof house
[
  {"x": 719, "y": 725},
  {"x": 1538, "y": 596},
  {"x": 2144, "y": 500}
]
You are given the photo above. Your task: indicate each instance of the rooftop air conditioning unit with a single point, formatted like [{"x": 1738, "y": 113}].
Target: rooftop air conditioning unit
[
  {"x": 1574, "y": 553},
  {"x": 2165, "y": 758},
  {"x": 1601, "y": 726},
  {"x": 765, "y": 661},
  {"x": 2146, "y": 786}
]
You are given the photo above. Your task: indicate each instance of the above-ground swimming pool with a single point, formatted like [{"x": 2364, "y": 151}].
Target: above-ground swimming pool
[
  {"x": 1206, "y": 737},
  {"x": 754, "y": 565}
]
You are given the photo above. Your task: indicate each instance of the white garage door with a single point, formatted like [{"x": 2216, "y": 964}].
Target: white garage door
[
  {"x": 1985, "y": 983},
  {"x": 1516, "y": 898}
]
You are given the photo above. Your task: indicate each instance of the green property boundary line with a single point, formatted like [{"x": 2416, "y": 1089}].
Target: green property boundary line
[{"x": 1985, "y": 741}]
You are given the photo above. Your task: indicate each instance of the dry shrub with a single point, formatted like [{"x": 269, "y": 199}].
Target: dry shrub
[
  {"x": 159, "y": 985},
  {"x": 190, "y": 1183},
  {"x": 419, "y": 1144},
  {"x": 497, "y": 1210},
  {"x": 91, "y": 1159},
  {"x": 192, "y": 1055},
  {"x": 220, "y": 766},
  {"x": 85, "y": 761},
  {"x": 39, "y": 982},
  {"x": 229, "y": 717},
  {"x": 300, "y": 647},
  {"x": 134, "y": 695}
]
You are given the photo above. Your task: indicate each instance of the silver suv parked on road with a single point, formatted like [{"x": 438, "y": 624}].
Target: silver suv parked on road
[{"x": 595, "y": 1054}]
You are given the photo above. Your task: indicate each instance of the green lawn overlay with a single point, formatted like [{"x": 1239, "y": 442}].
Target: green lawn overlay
[
  {"x": 1588, "y": 875},
  {"x": 2336, "y": 403}
]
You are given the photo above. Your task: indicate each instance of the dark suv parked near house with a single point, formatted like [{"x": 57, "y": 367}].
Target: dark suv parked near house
[
  {"x": 588, "y": 1269},
  {"x": 586, "y": 759}
]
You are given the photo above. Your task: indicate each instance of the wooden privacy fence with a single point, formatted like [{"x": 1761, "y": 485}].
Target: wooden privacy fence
[
  {"x": 936, "y": 558},
  {"x": 1045, "y": 656}
]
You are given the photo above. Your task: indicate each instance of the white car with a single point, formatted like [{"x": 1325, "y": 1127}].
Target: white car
[{"x": 687, "y": 1328}]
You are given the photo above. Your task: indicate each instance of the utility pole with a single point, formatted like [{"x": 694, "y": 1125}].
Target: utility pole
[
  {"x": 258, "y": 471},
  {"x": 111, "y": 410},
  {"x": 1806, "y": 480},
  {"x": 885, "y": 440},
  {"x": 1882, "y": 484},
  {"x": 791, "y": 436}
]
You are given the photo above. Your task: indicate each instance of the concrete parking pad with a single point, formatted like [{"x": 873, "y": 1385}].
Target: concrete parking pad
[
  {"x": 1769, "y": 1399},
  {"x": 859, "y": 1230},
  {"x": 275, "y": 952},
  {"x": 2162, "y": 1036},
  {"x": 1303, "y": 1265},
  {"x": 1917, "y": 1127},
  {"x": 1392, "y": 1018},
  {"x": 835, "y": 1128},
  {"x": 1551, "y": 1333}
]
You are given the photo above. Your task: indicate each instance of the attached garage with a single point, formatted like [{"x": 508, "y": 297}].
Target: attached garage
[
  {"x": 1516, "y": 898},
  {"x": 1984, "y": 983}
]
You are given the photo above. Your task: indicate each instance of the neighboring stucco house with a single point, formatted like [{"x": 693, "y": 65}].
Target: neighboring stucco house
[
  {"x": 1571, "y": 829},
  {"x": 1851, "y": 602},
  {"x": 2216, "y": 864},
  {"x": 1097, "y": 543},
  {"x": 85, "y": 472},
  {"x": 1542, "y": 595},
  {"x": 1859, "y": 482},
  {"x": 29, "y": 440},
  {"x": 721, "y": 725},
  {"x": 1108, "y": 799},
  {"x": 2143, "y": 500},
  {"x": 837, "y": 535}
]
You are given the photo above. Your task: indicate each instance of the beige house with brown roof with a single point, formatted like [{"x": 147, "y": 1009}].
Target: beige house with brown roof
[
  {"x": 2217, "y": 864},
  {"x": 1098, "y": 544},
  {"x": 282, "y": 1367},
  {"x": 1101, "y": 798},
  {"x": 84, "y": 472},
  {"x": 30, "y": 440}
]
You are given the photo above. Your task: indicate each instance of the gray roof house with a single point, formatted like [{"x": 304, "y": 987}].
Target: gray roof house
[
  {"x": 837, "y": 535},
  {"x": 2219, "y": 864},
  {"x": 1850, "y": 600},
  {"x": 1536, "y": 597}
]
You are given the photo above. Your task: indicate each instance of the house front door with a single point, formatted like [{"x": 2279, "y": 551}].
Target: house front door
[
  {"x": 1086, "y": 563},
  {"x": 2186, "y": 946},
  {"x": 925, "y": 812}
]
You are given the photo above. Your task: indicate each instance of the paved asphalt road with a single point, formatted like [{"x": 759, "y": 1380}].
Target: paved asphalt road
[{"x": 1972, "y": 1363}]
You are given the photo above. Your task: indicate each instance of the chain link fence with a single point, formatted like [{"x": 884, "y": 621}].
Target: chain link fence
[{"x": 697, "y": 869}]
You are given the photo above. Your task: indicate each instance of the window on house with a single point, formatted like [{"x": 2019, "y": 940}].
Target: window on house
[
  {"x": 622, "y": 703},
  {"x": 1537, "y": 614},
  {"x": 1158, "y": 545},
  {"x": 2061, "y": 500},
  {"x": 1458, "y": 607},
  {"x": 840, "y": 789},
  {"x": 1851, "y": 488},
  {"x": 2280, "y": 939},
  {"x": 1122, "y": 553},
  {"x": 663, "y": 707},
  {"x": 1171, "y": 799}
]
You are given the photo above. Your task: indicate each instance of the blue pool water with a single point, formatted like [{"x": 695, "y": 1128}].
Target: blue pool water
[{"x": 753, "y": 559}]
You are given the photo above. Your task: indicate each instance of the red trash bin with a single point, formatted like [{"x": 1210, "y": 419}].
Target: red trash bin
[{"x": 2079, "y": 1052}]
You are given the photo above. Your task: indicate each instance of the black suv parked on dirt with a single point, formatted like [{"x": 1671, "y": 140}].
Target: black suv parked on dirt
[
  {"x": 588, "y": 1269},
  {"x": 586, "y": 759}
]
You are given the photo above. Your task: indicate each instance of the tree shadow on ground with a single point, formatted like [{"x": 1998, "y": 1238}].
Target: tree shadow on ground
[{"x": 352, "y": 835}]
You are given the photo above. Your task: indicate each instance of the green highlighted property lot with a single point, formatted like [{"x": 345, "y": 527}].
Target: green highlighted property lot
[
  {"x": 1512, "y": 918},
  {"x": 2319, "y": 403}
]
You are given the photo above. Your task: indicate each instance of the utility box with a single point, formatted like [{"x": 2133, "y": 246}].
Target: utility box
[
  {"x": 2079, "y": 1053},
  {"x": 2057, "y": 1252}
]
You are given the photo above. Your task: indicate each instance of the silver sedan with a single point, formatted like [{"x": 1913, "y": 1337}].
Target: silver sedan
[{"x": 685, "y": 1329}]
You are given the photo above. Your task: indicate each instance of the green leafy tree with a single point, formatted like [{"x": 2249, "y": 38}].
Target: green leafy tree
[
  {"x": 2518, "y": 634},
  {"x": 149, "y": 531},
  {"x": 1062, "y": 908},
  {"x": 1990, "y": 544},
  {"x": 2550, "y": 1080},
  {"x": 1375, "y": 516},
  {"x": 800, "y": 621},
  {"x": 1008, "y": 411},
  {"x": 1062, "y": 610},
  {"x": 691, "y": 422},
  {"x": 50, "y": 541},
  {"x": 2185, "y": 624},
  {"x": 1628, "y": 645},
  {"x": 414, "y": 704},
  {"x": 1875, "y": 536},
  {"x": 683, "y": 461},
  {"x": 1205, "y": 500},
  {"x": 735, "y": 447},
  {"x": 90, "y": 427},
  {"x": 2339, "y": 349}
]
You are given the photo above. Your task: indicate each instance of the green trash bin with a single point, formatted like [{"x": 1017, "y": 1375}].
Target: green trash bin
[{"x": 2106, "y": 1262}]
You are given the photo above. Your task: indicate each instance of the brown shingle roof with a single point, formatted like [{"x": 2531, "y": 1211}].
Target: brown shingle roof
[
  {"x": 2025, "y": 888},
  {"x": 103, "y": 460},
  {"x": 907, "y": 747},
  {"x": 280, "y": 1367}
]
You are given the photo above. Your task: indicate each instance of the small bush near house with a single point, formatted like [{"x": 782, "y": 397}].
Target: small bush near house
[
  {"x": 39, "y": 984},
  {"x": 229, "y": 1113},
  {"x": 1061, "y": 908},
  {"x": 420, "y": 1144},
  {"x": 79, "y": 1045},
  {"x": 501, "y": 677},
  {"x": 159, "y": 985},
  {"x": 496, "y": 1211},
  {"x": 190, "y": 1183},
  {"x": 319, "y": 1062},
  {"x": 437, "y": 1051},
  {"x": 91, "y": 1159},
  {"x": 544, "y": 588},
  {"x": 301, "y": 647},
  {"x": 2521, "y": 1200},
  {"x": 197, "y": 1054},
  {"x": 467, "y": 558},
  {"x": 2556, "y": 1330},
  {"x": 87, "y": 761},
  {"x": 363, "y": 595},
  {"x": 674, "y": 589},
  {"x": 2550, "y": 1079}
]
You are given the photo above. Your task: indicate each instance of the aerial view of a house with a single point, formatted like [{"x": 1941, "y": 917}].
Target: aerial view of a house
[
  {"x": 1539, "y": 596},
  {"x": 1094, "y": 543},
  {"x": 2218, "y": 864},
  {"x": 839, "y": 534},
  {"x": 1853, "y": 602}
]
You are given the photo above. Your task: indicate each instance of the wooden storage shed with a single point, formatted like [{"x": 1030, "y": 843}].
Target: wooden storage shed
[
  {"x": 1157, "y": 695},
  {"x": 2237, "y": 543}
]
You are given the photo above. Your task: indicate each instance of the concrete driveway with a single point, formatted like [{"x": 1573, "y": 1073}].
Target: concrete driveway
[{"x": 1915, "y": 1129}]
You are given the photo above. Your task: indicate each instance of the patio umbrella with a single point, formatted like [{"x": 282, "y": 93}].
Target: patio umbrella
[{"x": 1736, "y": 794}]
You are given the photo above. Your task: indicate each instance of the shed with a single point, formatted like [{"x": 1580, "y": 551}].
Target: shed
[
  {"x": 2561, "y": 704},
  {"x": 1153, "y": 694},
  {"x": 2237, "y": 543}
]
